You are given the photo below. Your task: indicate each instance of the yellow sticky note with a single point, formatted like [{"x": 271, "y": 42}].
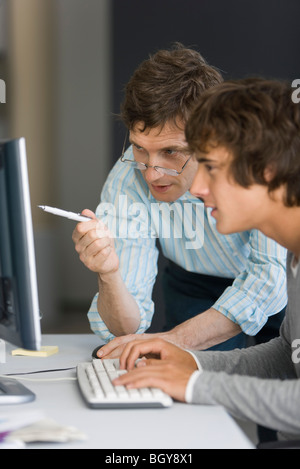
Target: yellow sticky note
[{"x": 45, "y": 351}]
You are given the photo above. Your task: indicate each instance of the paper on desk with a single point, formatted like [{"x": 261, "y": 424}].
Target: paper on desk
[
  {"x": 12, "y": 444},
  {"x": 48, "y": 430},
  {"x": 13, "y": 420},
  {"x": 45, "y": 351},
  {"x": 33, "y": 426}
]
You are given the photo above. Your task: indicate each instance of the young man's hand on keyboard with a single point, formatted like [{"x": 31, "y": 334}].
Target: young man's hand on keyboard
[
  {"x": 170, "y": 372},
  {"x": 165, "y": 375}
]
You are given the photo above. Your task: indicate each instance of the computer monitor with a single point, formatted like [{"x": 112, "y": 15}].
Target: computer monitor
[{"x": 19, "y": 304}]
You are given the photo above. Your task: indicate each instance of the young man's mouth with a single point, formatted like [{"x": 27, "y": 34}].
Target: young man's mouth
[{"x": 213, "y": 209}]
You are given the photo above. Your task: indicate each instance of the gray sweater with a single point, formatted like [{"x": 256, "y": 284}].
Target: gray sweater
[{"x": 259, "y": 383}]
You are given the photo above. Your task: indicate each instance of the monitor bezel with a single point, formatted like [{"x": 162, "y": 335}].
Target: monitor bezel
[{"x": 20, "y": 325}]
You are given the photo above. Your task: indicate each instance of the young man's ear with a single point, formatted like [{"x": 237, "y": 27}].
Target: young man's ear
[
  {"x": 269, "y": 173},
  {"x": 278, "y": 194}
]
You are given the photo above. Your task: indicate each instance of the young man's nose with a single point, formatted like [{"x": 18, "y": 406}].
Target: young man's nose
[{"x": 199, "y": 186}]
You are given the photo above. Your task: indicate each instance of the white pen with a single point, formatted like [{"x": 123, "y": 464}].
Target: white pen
[{"x": 64, "y": 213}]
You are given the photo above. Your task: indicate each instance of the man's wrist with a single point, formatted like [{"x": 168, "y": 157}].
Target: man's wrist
[
  {"x": 171, "y": 336},
  {"x": 108, "y": 277}
]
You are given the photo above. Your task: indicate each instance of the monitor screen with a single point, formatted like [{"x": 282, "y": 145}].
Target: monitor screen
[{"x": 19, "y": 305}]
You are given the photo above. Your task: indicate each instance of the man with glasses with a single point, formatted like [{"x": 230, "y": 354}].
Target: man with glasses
[{"x": 217, "y": 288}]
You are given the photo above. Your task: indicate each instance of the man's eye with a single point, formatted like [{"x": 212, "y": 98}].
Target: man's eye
[
  {"x": 138, "y": 149},
  {"x": 179, "y": 155}
]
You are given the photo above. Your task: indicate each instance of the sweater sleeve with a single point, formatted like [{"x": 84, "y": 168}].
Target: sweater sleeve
[
  {"x": 267, "y": 360},
  {"x": 258, "y": 384}
]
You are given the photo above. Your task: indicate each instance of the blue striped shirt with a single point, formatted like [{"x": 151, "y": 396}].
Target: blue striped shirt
[{"x": 188, "y": 236}]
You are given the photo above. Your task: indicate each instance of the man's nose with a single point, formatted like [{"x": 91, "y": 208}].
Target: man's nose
[{"x": 151, "y": 175}]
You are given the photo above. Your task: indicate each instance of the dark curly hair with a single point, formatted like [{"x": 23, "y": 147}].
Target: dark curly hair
[
  {"x": 166, "y": 87},
  {"x": 257, "y": 121}
]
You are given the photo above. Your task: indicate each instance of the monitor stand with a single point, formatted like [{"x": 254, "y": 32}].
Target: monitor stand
[{"x": 11, "y": 390}]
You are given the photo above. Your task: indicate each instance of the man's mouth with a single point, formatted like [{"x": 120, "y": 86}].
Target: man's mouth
[{"x": 161, "y": 188}]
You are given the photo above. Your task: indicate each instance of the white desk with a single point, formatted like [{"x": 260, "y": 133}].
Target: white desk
[{"x": 182, "y": 426}]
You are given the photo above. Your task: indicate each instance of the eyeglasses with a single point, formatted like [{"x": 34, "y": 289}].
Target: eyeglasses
[{"x": 144, "y": 166}]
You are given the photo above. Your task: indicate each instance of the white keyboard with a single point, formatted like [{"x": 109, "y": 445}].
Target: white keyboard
[{"x": 95, "y": 382}]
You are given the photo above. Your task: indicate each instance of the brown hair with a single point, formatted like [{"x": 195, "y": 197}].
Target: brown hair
[
  {"x": 166, "y": 87},
  {"x": 257, "y": 121}
]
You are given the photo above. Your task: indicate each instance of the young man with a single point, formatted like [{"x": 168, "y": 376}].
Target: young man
[
  {"x": 246, "y": 138},
  {"x": 229, "y": 279}
]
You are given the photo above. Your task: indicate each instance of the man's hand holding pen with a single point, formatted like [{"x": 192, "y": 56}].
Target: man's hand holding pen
[{"x": 95, "y": 246}]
